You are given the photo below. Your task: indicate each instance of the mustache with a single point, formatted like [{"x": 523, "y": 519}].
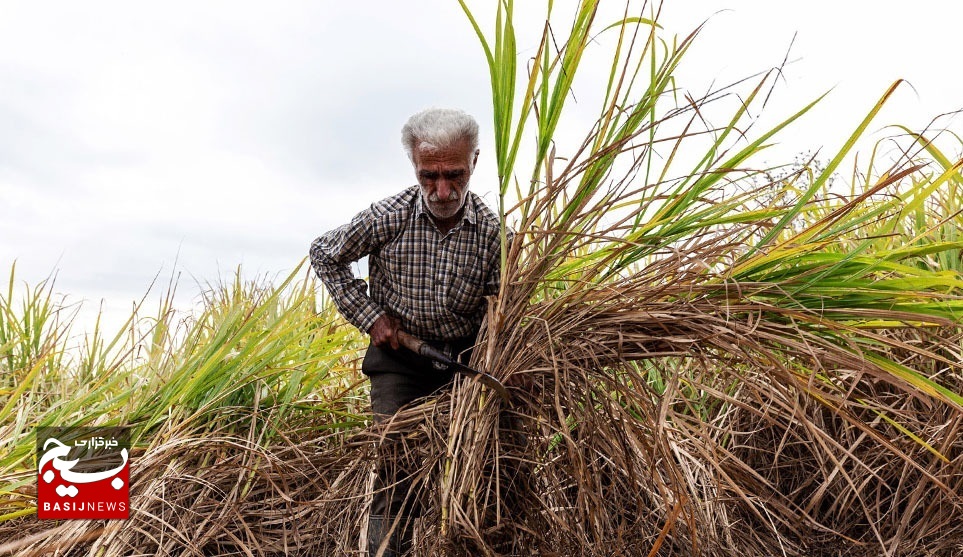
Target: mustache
[{"x": 453, "y": 196}]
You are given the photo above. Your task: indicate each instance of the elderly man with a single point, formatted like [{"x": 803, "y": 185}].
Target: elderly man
[{"x": 433, "y": 255}]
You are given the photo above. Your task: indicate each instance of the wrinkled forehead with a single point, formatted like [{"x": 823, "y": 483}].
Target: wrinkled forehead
[{"x": 426, "y": 153}]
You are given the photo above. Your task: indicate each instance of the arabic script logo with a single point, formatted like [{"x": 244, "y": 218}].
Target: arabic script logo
[{"x": 83, "y": 473}]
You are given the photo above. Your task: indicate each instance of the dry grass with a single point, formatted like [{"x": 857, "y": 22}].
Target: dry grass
[
  {"x": 699, "y": 365},
  {"x": 210, "y": 494},
  {"x": 636, "y": 427}
]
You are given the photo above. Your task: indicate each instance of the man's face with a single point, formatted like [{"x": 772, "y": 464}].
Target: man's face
[{"x": 443, "y": 175}]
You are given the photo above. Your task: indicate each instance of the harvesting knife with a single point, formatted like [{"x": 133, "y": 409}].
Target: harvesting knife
[{"x": 421, "y": 347}]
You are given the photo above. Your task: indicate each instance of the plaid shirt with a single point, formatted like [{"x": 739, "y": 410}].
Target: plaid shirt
[{"x": 435, "y": 284}]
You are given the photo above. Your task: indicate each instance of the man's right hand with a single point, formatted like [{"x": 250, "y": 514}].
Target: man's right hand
[{"x": 384, "y": 332}]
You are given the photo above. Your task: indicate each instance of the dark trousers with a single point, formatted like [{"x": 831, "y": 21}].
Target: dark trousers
[{"x": 397, "y": 379}]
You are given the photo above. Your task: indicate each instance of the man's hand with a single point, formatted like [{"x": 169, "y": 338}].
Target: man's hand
[{"x": 384, "y": 332}]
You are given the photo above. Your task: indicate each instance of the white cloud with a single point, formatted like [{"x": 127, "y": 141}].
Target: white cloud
[{"x": 220, "y": 133}]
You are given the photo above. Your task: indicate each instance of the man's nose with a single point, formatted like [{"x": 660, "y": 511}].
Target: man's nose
[{"x": 443, "y": 189}]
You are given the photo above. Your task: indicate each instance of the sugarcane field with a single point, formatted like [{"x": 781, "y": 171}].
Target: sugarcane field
[{"x": 657, "y": 335}]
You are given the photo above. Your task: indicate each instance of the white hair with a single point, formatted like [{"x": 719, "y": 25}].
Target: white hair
[{"x": 439, "y": 128}]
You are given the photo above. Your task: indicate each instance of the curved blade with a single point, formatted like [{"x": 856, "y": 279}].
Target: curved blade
[{"x": 486, "y": 379}]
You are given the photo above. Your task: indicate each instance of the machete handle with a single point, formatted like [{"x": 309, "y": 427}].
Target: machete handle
[
  {"x": 422, "y": 348},
  {"x": 411, "y": 343}
]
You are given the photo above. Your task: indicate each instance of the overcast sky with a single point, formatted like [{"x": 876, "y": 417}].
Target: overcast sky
[{"x": 192, "y": 137}]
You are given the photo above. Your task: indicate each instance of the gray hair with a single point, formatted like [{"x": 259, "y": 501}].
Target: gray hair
[{"x": 439, "y": 128}]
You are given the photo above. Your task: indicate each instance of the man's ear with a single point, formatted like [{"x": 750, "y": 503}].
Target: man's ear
[{"x": 474, "y": 160}]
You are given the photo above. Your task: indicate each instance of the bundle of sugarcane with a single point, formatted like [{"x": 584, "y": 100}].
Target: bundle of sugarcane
[{"x": 712, "y": 360}]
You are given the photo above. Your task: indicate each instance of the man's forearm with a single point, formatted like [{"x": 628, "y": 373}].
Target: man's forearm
[{"x": 350, "y": 294}]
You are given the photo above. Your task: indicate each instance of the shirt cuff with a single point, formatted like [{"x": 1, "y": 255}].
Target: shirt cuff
[{"x": 367, "y": 316}]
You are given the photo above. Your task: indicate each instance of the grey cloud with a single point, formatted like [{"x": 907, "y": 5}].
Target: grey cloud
[
  {"x": 316, "y": 93},
  {"x": 32, "y": 147}
]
